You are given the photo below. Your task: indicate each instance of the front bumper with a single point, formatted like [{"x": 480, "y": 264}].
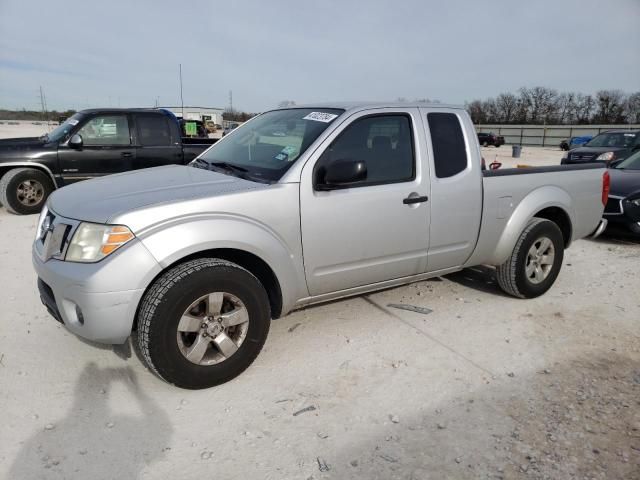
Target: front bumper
[{"x": 97, "y": 301}]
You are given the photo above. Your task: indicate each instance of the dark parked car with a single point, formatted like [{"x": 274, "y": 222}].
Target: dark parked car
[
  {"x": 605, "y": 147},
  {"x": 623, "y": 206},
  {"x": 90, "y": 144},
  {"x": 490, "y": 138},
  {"x": 574, "y": 142}
]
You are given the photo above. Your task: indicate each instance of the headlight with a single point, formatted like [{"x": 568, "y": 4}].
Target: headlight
[
  {"x": 43, "y": 216},
  {"x": 607, "y": 156},
  {"x": 93, "y": 242}
]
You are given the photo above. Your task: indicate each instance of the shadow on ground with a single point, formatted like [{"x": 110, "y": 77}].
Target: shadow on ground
[
  {"x": 92, "y": 441},
  {"x": 580, "y": 419}
]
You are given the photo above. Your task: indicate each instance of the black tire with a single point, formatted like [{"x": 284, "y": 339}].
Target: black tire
[
  {"x": 168, "y": 298},
  {"x": 512, "y": 276},
  {"x": 634, "y": 227},
  {"x": 498, "y": 145},
  {"x": 10, "y": 184}
]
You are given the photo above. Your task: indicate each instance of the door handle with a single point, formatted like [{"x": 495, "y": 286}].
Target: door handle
[
  {"x": 126, "y": 154},
  {"x": 411, "y": 200}
]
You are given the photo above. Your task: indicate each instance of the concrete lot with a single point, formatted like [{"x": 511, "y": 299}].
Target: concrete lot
[{"x": 485, "y": 386}]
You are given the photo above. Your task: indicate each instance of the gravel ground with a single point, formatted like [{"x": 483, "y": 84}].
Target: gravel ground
[{"x": 485, "y": 386}]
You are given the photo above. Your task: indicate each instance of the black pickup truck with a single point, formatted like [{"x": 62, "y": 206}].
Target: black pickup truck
[{"x": 90, "y": 144}]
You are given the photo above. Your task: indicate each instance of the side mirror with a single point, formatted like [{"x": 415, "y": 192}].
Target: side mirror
[
  {"x": 76, "y": 141},
  {"x": 342, "y": 174}
]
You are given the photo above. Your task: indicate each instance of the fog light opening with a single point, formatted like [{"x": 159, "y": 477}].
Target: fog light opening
[{"x": 79, "y": 315}]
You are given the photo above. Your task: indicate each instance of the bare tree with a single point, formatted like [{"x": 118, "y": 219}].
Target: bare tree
[
  {"x": 476, "y": 111},
  {"x": 506, "y": 105},
  {"x": 583, "y": 109},
  {"x": 611, "y": 106},
  {"x": 565, "y": 107},
  {"x": 632, "y": 108}
]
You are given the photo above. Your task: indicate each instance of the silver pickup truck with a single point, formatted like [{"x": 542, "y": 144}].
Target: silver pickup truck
[{"x": 297, "y": 206}]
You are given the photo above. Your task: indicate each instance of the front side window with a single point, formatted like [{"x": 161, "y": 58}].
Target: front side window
[
  {"x": 383, "y": 142},
  {"x": 106, "y": 130},
  {"x": 267, "y": 146},
  {"x": 153, "y": 130},
  {"x": 449, "y": 151}
]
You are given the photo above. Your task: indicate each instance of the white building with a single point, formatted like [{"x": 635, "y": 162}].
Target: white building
[{"x": 198, "y": 113}]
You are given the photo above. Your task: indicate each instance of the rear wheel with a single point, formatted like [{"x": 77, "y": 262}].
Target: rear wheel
[
  {"x": 25, "y": 190},
  {"x": 203, "y": 323},
  {"x": 535, "y": 261}
]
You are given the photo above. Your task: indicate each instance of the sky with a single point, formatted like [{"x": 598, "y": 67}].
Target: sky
[{"x": 126, "y": 53}]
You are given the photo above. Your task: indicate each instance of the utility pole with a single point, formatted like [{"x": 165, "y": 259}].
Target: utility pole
[
  {"x": 181, "y": 99},
  {"x": 231, "y": 101},
  {"x": 43, "y": 104}
]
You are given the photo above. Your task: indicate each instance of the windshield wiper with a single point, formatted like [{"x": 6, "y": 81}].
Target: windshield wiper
[{"x": 228, "y": 166}]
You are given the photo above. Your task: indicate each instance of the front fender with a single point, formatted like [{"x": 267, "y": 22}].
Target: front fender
[
  {"x": 535, "y": 201},
  {"x": 183, "y": 237}
]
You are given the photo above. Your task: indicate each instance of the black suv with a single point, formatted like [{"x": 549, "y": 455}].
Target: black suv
[
  {"x": 490, "y": 138},
  {"x": 608, "y": 146}
]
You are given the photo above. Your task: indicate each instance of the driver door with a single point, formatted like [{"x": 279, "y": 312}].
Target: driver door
[{"x": 106, "y": 148}]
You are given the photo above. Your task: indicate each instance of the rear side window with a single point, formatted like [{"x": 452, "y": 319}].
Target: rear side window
[
  {"x": 449, "y": 152},
  {"x": 153, "y": 130}
]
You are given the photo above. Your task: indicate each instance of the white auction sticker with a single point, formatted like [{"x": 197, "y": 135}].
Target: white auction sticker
[
  {"x": 73, "y": 121},
  {"x": 320, "y": 117}
]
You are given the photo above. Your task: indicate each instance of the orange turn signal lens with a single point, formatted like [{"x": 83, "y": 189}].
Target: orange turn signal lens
[{"x": 116, "y": 237}]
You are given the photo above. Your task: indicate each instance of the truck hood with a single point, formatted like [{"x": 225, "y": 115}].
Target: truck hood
[
  {"x": 624, "y": 182},
  {"x": 101, "y": 199},
  {"x": 21, "y": 148}
]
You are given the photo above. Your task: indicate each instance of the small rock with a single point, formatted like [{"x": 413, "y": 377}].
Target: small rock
[
  {"x": 102, "y": 391},
  {"x": 183, "y": 402},
  {"x": 206, "y": 455},
  {"x": 547, "y": 371},
  {"x": 394, "y": 418},
  {"x": 323, "y": 435},
  {"x": 441, "y": 426},
  {"x": 83, "y": 451},
  {"x": 110, "y": 425},
  {"x": 49, "y": 426},
  {"x": 458, "y": 459},
  {"x": 35, "y": 416},
  {"x": 511, "y": 374},
  {"x": 353, "y": 463}
]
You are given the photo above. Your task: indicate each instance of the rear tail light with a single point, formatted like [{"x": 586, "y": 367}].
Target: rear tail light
[{"x": 606, "y": 186}]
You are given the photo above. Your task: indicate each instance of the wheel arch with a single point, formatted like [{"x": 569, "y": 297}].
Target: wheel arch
[
  {"x": 548, "y": 202},
  {"x": 7, "y": 167},
  {"x": 247, "y": 260}
]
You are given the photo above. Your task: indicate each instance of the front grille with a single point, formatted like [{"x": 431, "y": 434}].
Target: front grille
[
  {"x": 613, "y": 206},
  {"x": 583, "y": 157}
]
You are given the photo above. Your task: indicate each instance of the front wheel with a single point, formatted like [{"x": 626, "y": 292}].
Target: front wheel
[
  {"x": 535, "y": 261},
  {"x": 25, "y": 190},
  {"x": 203, "y": 323}
]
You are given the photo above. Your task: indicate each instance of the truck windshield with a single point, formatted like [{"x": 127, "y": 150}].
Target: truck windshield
[
  {"x": 630, "y": 163},
  {"x": 63, "y": 129},
  {"x": 267, "y": 146},
  {"x": 617, "y": 139}
]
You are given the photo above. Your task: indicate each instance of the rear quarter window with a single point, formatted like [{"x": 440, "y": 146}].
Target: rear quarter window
[{"x": 449, "y": 150}]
